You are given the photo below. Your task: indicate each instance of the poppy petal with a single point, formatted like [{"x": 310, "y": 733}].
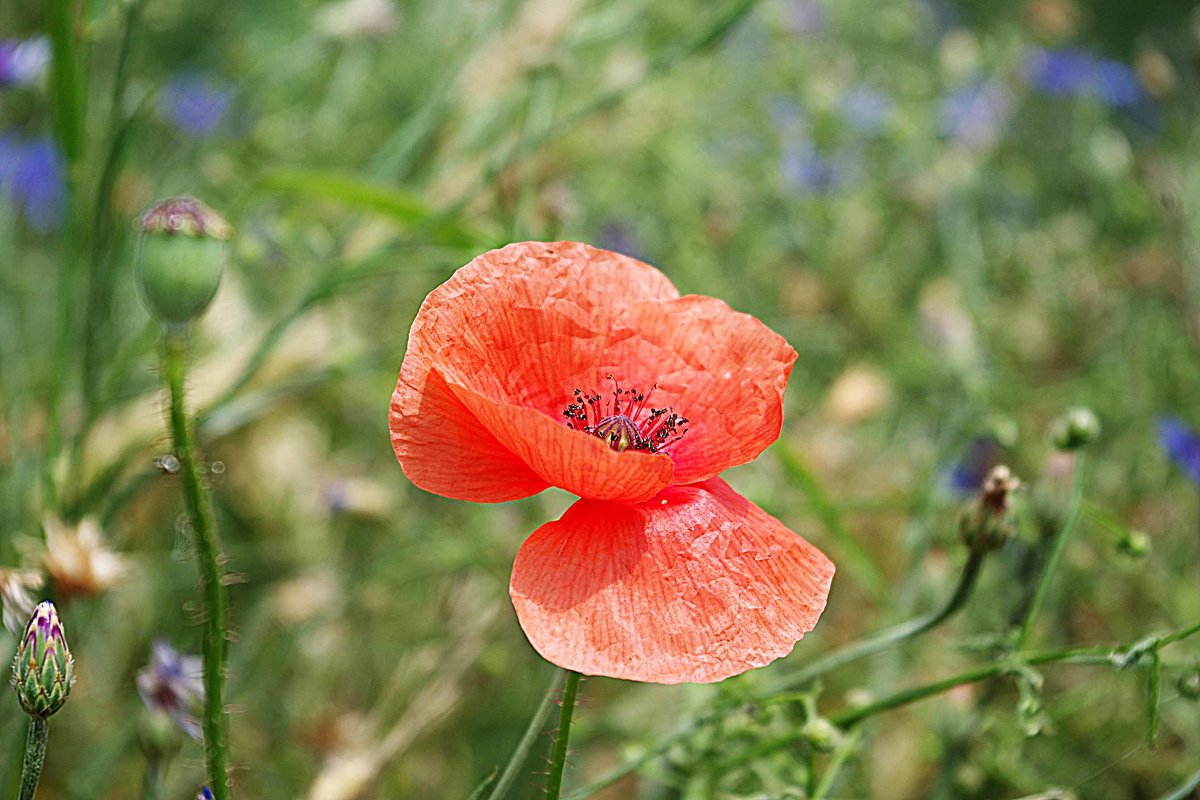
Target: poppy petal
[
  {"x": 584, "y": 465},
  {"x": 696, "y": 585},
  {"x": 444, "y": 449},
  {"x": 724, "y": 371}
]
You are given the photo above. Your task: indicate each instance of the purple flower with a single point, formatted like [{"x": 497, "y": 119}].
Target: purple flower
[
  {"x": 967, "y": 475},
  {"x": 173, "y": 683},
  {"x": 23, "y": 62},
  {"x": 806, "y": 17},
  {"x": 1182, "y": 445},
  {"x": 975, "y": 116},
  {"x": 1071, "y": 72},
  {"x": 195, "y": 103},
  {"x": 33, "y": 176},
  {"x": 620, "y": 238},
  {"x": 205, "y": 794},
  {"x": 865, "y": 109}
]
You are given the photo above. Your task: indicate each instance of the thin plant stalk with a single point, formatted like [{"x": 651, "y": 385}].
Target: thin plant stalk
[
  {"x": 558, "y": 755},
  {"x": 536, "y": 724},
  {"x": 35, "y": 757},
  {"x": 1056, "y": 551},
  {"x": 199, "y": 511}
]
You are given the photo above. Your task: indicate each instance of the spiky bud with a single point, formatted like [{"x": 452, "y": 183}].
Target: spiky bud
[
  {"x": 986, "y": 524},
  {"x": 1076, "y": 428},
  {"x": 181, "y": 255},
  {"x": 43, "y": 669}
]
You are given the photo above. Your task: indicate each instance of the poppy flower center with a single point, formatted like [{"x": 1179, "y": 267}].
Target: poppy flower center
[{"x": 625, "y": 419}]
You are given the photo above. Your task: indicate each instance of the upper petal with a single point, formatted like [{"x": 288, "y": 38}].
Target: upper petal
[
  {"x": 698, "y": 584},
  {"x": 724, "y": 371}
]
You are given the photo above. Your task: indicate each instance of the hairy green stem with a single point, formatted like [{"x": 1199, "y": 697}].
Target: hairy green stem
[
  {"x": 35, "y": 757},
  {"x": 532, "y": 732},
  {"x": 558, "y": 755},
  {"x": 1056, "y": 551},
  {"x": 893, "y": 635},
  {"x": 211, "y": 572}
]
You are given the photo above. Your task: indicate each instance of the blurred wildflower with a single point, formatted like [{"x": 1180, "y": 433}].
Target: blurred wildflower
[
  {"x": 16, "y": 596},
  {"x": 1182, "y": 446},
  {"x": 1072, "y": 72},
  {"x": 205, "y": 794},
  {"x": 865, "y": 109},
  {"x": 33, "y": 176},
  {"x": 806, "y": 18},
  {"x": 859, "y": 393},
  {"x": 362, "y": 497},
  {"x": 352, "y": 19},
  {"x": 810, "y": 171},
  {"x": 495, "y": 401},
  {"x": 969, "y": 472},
  {"x": 23, "y": 62},
  {"x": 987, "y": 524},
  {"x": 945, "y": 325},
  {"x": 77, "y": 560},
  {"x": 196, "y": 103},
  {"x": 43, "y": 669},
  {"x": 620, "y": 238},
  {"x": 975, "y": 116},
  {"x": 173, "y": 684}
]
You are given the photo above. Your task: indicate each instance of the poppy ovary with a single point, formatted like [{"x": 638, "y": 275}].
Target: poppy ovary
[{"x": 625, "y": 421}]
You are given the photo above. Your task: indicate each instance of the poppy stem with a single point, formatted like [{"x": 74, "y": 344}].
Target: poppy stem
[
  {"x": 535, "y": 728},
  {"x": 35, "y": 757},
  {"x": 208, "y": 555},
  {"x": 1056, "y": 550},
  {"x": 558, "y": 755}
]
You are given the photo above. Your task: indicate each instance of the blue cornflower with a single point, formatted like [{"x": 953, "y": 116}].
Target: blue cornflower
[
  {"x": 865, "y": 109},
  {"x": 33, "y": 176},
  {"x": 807, "y": 169},
  {"x": 1182, "y": 445},
  {"x": 196, "y": 103},
  {"x": 620, "y": 238},
  {"x": 1072, "y": 72},
  {"x": 205, "y": 794},
  {"x": 23, "y": 62},
  {"x": 966, "y": 476},
  {"x": 173, "y": 683},
  {"x": 975, "y": 115}
]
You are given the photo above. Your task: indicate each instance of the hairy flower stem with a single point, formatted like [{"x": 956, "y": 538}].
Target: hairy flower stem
[
  {"x": 152, "y": 781},
  {"x": 558, "y": 755},
  {"x": 35, "y": 757},
  {"x": 535, "y": 728},
  {"x": 1056, "y": 550},
  {"x": 893, "y": 635},
  {"x": 211, "y": 573}
]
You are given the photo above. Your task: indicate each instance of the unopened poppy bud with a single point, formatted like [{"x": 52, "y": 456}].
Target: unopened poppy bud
[
  {"x": 821, "y": 734},
  {"x": 181, "y": 255},
  {"x": 43, "y": 669},
  {"x": 1075, "y": 429},
  {"x": 986, "y": 525},
  {"x": 1135, "y": 544}
]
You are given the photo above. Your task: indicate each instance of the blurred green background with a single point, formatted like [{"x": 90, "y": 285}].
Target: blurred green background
[{"x": 965, "y": 217}]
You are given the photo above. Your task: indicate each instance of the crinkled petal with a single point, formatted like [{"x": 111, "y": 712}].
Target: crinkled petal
[
  {"x": 696, "y": 585},
  {"x": 513, "y": 331},
  {"x": 724, "y": 371},
  {"x": 443, "y": 448}
]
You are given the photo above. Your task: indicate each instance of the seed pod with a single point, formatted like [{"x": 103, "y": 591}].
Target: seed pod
[
  {"x": 181, "y": 255},
  {"x": 43, "y": 669},
  {"x": 987, "y": 524},
  {"x": 1075, "y": 429}
]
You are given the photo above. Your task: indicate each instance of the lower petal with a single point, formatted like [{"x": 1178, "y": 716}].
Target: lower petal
[{"x": 695, "y": 585}]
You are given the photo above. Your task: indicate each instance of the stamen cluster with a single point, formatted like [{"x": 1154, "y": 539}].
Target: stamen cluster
[{"x": 624, "y": 419}]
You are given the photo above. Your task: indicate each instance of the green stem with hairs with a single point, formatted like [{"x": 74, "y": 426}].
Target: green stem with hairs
[
  {"x": 211, "y": 572},
  {"x": 532, "y": 732},
  {"x": 35, "y": 757},
  {"x": 558, "y": 755},
  {"x": 1056, "y": 551}
]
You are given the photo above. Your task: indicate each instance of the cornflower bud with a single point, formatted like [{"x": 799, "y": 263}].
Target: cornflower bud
[
  {"x": 43, "y": 669},
  {"x": 1075, "y": 429},
  {"x": 986, "y": 525},
  {"x": 181, "y": 255}
]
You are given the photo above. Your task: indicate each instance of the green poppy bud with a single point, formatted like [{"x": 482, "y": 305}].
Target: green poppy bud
[
  {"x": 43, "y": 668},
  {"x": 821, "y": 734},
  {"x": 181, "y": 255},
  {"x": 1075, "y": 429},
  {"x": 986, "y": 524}
]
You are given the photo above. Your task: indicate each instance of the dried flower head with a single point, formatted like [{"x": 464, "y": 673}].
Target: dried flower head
[
  {"x": 78, "y": 560},
  {"x": 174, "y": 684}
]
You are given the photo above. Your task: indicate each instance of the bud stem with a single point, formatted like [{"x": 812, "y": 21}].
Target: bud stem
[
  {"x": 558, "y": 755},
  {"x": 1056, "y": 551},
  {"x": 211, "y": 573},
  {"x": 35, "y": 757}
]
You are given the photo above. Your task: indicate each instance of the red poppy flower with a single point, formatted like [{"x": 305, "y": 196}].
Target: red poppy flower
[{"x": 562, "y": 365}]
